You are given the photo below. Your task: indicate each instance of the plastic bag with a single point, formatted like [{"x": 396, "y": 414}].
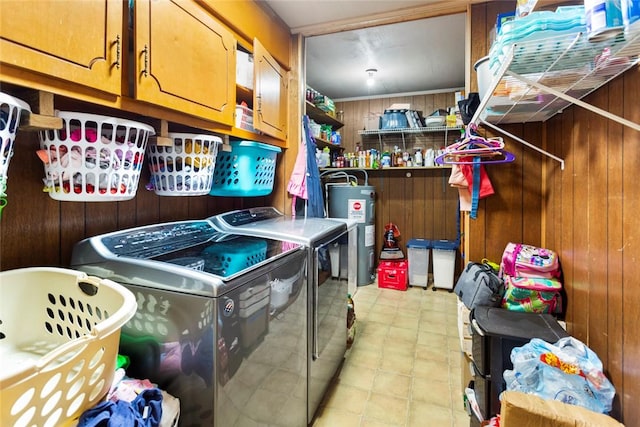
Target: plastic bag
[{"x": 567, "y": 371}]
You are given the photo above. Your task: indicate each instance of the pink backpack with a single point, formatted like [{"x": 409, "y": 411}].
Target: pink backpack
[{"x": 520, "y": 260}]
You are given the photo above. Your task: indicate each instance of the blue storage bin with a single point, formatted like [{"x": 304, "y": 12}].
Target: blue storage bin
[
  {"x": 445, "y": 245},
  {"x": 394, "y": 119},
  {"x": 248, "y": 170}
]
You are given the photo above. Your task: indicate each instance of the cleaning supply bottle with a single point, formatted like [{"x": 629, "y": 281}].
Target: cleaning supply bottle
[{"x": 417, "y": 158}]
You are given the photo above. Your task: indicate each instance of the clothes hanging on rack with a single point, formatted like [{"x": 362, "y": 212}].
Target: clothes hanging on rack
[{"x": 467, "y": 158}]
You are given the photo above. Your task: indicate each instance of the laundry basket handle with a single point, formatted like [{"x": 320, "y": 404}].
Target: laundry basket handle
[{"x": 92, "y": 285}]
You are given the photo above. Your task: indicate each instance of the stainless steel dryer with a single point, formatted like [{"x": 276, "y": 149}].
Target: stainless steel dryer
[
  {"x": 328, "y": 283},
  {"x": 221, "y": 321}
]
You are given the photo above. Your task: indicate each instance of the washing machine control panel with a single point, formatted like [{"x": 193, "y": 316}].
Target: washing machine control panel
[
  {"x": 149, "y": 241},
  {"x": 247, "y": 216}
]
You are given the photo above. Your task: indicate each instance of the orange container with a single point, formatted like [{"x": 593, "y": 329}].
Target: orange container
[{"x": 393, "y": 275}]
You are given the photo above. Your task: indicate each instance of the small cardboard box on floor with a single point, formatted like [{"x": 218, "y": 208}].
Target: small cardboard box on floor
[{"x": 525, "y": 410}]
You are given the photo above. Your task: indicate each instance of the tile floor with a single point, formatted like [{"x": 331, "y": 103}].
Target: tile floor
[{"x": 404, "y": 366}]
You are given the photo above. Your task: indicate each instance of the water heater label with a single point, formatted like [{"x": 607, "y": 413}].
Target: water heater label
[
  {"x": 369, "y": 235},
  {"x": 357, "y": 210}
]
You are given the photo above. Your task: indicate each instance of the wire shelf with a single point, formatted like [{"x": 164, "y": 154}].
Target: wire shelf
[
  {"x": 424, "y": 129},
  {"x": 536, "y": 79}
]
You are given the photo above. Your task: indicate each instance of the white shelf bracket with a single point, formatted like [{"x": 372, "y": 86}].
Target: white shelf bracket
[
  {"x": 523, "y": 142},
  {"x": 576, "y": 101}
]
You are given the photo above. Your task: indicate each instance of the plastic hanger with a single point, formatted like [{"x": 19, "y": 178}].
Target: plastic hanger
[
  {"x": 475, "y": 144},
  {"x": 498, "y": 156},
  {"x": 474, "y": 148}
]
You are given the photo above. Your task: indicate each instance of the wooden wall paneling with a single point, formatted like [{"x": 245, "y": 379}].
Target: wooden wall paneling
[
  {"x": 441, "y": 218},
  {"x": 580, "y": 225},
  {"x": 552, "y": 197},
  {"x": 552, "y": 186},
  {"x": 420, "y": 207},
  {"x": 631, "y": 253},
  {"x": 419, "y": 103},
  {"x": 279, "y": 196},
  {"x": 532, "y": 186},
  {"x": 172, "y": 208},
  {"x": 126, "y": 212},
  {"x": 442, "y": 101},
  {"x": 500, "y": 216},
  {"x": 100, "y": 217},
  {"x": 477, "y": 234},
  {"x": 565, "y": 249},
  {"x": 197, "y": 207},
  {"x": 450, "y": 206},
  {"x": 396, "y": 202},
  {"x": 31, "y": 219},
  {"x": 429, "y": 105},
  {"x": 408, "y": 210},
  {"x": 380, "y": 182},
  {"x": 479, "y": 39},
  {"x": 72, "y": 227},
  {"x": 615, "y": 241},
  {"x": 357, "y": 111},
  {"x": 597, "y": 213},
  {"x": 147, "y": 202}
]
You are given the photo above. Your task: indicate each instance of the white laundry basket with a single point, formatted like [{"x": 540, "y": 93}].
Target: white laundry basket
[
  {"x": 10, "y": 110},
  {"x": 59, "y": 334},
  {"x": 186, "y": 168},
  {"x": 93, "y": 158}
]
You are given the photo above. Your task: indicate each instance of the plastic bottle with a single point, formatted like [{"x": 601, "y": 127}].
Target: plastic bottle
[
  {"x": 429, "y": 157},
  {"x": 386, "y": 160},
  {"x": 418, "y": 157},
  {"x": 326, "y": 158}
]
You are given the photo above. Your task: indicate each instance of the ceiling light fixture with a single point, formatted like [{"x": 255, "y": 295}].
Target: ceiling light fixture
[{"x": 371, "y": 72}]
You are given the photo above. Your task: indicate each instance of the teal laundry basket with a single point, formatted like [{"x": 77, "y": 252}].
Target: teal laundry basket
[{"x": 248, "y": 170}]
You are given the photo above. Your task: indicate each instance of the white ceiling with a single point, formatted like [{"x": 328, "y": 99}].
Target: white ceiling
[{"x": 416, "y": 56}]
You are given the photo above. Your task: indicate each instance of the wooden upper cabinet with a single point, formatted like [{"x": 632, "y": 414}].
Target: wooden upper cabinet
[
  {"x": 80, "y": 42},
  {"x": 270, "y": 94},
  {"x": 184, "y": 59}
]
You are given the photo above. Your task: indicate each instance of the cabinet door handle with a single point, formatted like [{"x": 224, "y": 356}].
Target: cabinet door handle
[
  {"x": 145, "y": 53},
  {"x": 259, "y": 99},
  {"x": 117, "y": 43}
]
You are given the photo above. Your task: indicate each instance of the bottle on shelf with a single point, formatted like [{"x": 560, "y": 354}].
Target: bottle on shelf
[
  {"x": 429, "y": 158},
  {"x": 417, "y": 158}
]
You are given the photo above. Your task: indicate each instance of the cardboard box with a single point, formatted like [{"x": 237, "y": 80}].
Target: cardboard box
[
  {"x": 464, "y": 329},
  {"x": 372, "y": 121},
  {"x": 526, "y": 410},
  {"x": 466, "y": 374}
]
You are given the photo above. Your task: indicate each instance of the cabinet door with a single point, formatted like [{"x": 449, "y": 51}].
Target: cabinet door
[
  {"x": 270, "y": 94},
  {"x": 185, "y": 59},
  {"x": 79, "y": 42}
]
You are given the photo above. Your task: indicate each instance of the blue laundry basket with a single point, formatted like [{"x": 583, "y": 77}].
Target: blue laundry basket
[{"x": 248, "y": 170}]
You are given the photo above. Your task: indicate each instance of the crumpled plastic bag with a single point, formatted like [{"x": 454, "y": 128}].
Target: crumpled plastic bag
[{"x": 567, "y": 371}]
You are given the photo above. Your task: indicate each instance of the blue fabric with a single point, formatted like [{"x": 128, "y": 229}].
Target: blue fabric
[
  {"x": 315, "y": 205},
  {"x": 475, "y": 191},
  {"x": 122, "y": 413}
]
